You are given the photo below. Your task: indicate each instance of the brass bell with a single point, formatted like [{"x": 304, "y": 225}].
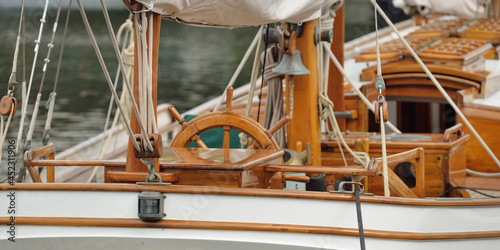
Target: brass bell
[{"x": 291, "y": 64}]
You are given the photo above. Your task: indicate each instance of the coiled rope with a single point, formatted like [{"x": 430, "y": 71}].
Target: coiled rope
[{"x": 274, "y": 101}]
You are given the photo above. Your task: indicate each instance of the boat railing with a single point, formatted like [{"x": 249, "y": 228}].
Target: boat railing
[
  {"x": 395, "y": 181},
  {"x": 47, "y": 151}
]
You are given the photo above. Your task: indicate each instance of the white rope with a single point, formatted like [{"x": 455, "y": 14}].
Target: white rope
[
  {"x": 274, "y": 101},
  {"x": 50, "y": 112},
  {"x": 52, "y": 96},
  {"x": 481, "y": 174},
  {"x": 16, "y": 50},
  {"x": 151, "y": 111},
  {"x": 380, "y": 87},
  {"x": 127, "y": 82},
  {"x": 384, "y": 154},
  {"x": 50, "y": 45},
  {"x": 255, "y": 71},
  {"x": 33, "y": 118},
  {"x": 436, "y": 83},
  {"x": 238, "y": 70},
  {"x": 358, "y": 92},
  {"x": 128, "y": 27},
  {"x": 104, "y": 69},
  {"x": 25, "y": 100}
]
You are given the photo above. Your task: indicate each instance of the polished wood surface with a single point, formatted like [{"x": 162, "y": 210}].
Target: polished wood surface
[
  {"x": 118, "y": 176},
  {"x": 47, "y": 151},
  {"x": 395, "y": 182},
  {"x": 335, "y": 78},
  {"x": 246, "y": 226},
  {"x": 304, "y": 125},
  {"x": 207, "y": 167},
  {"x": 441, "y": 158}
]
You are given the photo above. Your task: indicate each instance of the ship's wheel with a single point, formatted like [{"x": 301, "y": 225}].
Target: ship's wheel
[{"x": 227, "y": 120}]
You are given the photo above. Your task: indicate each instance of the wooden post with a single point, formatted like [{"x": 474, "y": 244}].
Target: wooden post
[
  {"x": 304, "y": 125},
  {"x": 134, "y": 164},
  {"x": 496, "y": 8},
  {"x": 335, "y": 78}
]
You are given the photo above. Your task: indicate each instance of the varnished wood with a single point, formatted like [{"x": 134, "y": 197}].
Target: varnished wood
[
  {"x": 335, "y": 78},
  {"x": 63, "y": 163},
  {"x": 394, "y": 181},
  {"x": 115, "y": 176},
  {"x": 44, "y": 151},
  {"x": 321, "y": 170},
  {"x": 457, "y": 129},
  {"x": 304, "y": 125},
  {"x": 482, "y": 183},
  {"x": 486, "y": 121},
  {"x": 134, "y": 164},
  {"x": 35, "y": 176},
  {"x": 297, "y": 178},
  {"x": 220, "y": 119},
  {"x": 246, "y": 226}
]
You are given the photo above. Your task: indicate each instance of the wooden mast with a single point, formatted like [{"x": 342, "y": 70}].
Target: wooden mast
[
  {"x": 304, "y": 127},
  {"x": 335, "y": 78},
  {"x": 134, "y": 164}
]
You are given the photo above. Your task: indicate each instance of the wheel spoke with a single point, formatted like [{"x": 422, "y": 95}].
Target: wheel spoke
[
  {"x": 198, "y": 141},
  {"x": 225, "y": 140}
]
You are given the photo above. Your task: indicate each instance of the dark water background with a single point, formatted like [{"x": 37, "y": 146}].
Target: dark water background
[{"x": 195, "y": 64}]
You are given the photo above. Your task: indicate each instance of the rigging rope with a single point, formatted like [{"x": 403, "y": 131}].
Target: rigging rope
[
  {"x": 52, "y": 97},
  {"x": 104, "y": 69},
  {"x": 436, "y": 83},
  {"x": 255, "y": 71},
  {"x": 127, "y": 83},
  {"x": 26, "y": 94},
  {"x": 44, "y": 70},
  {"x": 358, "y": 92},
  {"x": 12, "y": 79},
  {"x": 238, "y": 69},
  {"x": 274, "y": 101},
  {"x": 128, "y": 26},
  {"x": 380, "y": 86}
]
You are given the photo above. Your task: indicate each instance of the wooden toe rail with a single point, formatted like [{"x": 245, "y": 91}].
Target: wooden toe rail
[{"x": 394, "y": 181}]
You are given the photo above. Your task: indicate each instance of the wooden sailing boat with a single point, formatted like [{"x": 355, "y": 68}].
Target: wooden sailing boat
[{"x": 236, "y": 198}]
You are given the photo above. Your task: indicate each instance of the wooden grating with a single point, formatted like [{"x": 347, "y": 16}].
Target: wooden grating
[
  {"x": 439, "y": 29},
  {"x": 487, "y": 29},
  {"x": 455, "y": 50},
  {"x": 393, "y": 50}
]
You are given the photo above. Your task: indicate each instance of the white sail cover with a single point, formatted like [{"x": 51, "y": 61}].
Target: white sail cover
[
  {"x": 235, "y": 13},
  {"x": 462, "y": 8}
]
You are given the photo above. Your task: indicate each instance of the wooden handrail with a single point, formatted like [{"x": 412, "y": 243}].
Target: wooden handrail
[
  {"x": 394, "y": 181},
  {"x": 321, "y": 170},
  {"x": 457, "y": 129},
  {"x": 48, "y": 151}
]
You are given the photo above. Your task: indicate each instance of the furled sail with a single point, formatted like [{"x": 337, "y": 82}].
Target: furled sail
[
  {"x": 234, "y": 13},
  {"x": 462, "y": 8}
]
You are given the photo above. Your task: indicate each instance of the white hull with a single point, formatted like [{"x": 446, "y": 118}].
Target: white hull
[
  {"x": 125, "y": 238},
  {"x": 261, "y": 222}
]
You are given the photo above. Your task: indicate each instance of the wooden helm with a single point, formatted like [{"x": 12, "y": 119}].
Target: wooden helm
[{"x": 226, "y": 120}]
